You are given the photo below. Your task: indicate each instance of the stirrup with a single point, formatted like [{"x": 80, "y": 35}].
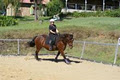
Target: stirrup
[{"x": 50, "y": 48}]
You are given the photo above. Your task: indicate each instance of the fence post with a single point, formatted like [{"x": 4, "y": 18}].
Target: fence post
[
  {"x": 85, "y": 5},
  {"x": 116, "y": 51},
  {"x": 75, "y": 6},
  {"x": 103, "y": 5},
  {"x": 83, "y": 49},
  {"x": 18, "y": 43}
]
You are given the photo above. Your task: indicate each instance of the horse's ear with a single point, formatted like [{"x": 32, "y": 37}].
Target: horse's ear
[{"x": 71, "y": 33}]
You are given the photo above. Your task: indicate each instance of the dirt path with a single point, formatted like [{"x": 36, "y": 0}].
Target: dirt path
[{"x": 27, "y": 68}]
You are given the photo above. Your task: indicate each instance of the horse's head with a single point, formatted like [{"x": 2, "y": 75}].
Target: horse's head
[{"x": 69, "y": 39}]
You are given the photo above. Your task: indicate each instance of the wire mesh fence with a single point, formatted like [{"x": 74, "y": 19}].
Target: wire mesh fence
[{"x": 99, "y": 52}]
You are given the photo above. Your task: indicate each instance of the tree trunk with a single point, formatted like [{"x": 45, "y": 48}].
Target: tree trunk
[{"x": 36, "y": 16}]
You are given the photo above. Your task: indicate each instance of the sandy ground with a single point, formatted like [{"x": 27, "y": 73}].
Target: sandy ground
[{"x": 27, "y": 68}]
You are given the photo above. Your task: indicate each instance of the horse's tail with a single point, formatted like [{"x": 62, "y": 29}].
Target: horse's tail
[{"x": 32, "y": 43}]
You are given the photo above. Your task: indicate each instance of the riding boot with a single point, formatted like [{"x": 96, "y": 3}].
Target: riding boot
[{"x": 51, "y": 45}]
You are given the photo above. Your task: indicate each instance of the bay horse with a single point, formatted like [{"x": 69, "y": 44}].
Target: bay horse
[{"x": 60, "y": 45}]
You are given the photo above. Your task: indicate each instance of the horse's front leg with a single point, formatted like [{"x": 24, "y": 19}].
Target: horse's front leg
[
  {"x": 65, "y": 59},
  {"x": 57, "y": 56}
]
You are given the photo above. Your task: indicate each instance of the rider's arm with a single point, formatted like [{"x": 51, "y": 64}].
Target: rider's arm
[
  {"x": 52, "y": 32},
  {"x": 56, "y": 29}
]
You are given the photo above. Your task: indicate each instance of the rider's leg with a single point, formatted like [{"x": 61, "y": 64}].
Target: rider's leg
[
  {"x": 52, "y": 41},
  {"x": 51, "y": 45}
]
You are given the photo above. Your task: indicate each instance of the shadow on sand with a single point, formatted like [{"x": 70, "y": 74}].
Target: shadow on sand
[{"x": 61, "y": 60}]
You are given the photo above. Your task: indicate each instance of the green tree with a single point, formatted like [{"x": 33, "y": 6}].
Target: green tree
[
  {"x": 1, "y": 5},
  {"x": 15, "y": 4},
  {"x": 4, "y": 4},
  {"x": 54, "y": 7},
  {"x": 35, "y": 2}
]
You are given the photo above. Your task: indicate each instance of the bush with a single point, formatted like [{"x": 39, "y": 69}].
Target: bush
[
  {"x": 54, "y": 7},
  {"x": 76, "y": 14},
  {"x": 84, "y": 14},
  {"x": 62, "y": 15},
  {"x": 109, "y": 13},
  {"x": 113, "y": 13},
  {"x": 99, "y": 14},
  {"x": 7, "y": 21}
]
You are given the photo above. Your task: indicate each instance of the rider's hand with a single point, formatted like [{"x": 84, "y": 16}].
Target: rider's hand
[{"x": 57, "y": 31}]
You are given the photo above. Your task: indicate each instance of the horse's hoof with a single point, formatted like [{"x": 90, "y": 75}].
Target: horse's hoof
[
  {"x": 67, "y": 62},
  {"x": 56, "y": 60},
  {"x": 38, "y": 59}
]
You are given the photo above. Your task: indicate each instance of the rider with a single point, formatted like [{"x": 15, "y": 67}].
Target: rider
[{"x": 52, "y": 33}]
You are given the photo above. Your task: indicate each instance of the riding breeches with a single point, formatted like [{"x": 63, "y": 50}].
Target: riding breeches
[{"x": 52, "y": 39}]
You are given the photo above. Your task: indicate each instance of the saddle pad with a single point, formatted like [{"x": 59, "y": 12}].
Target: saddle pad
[{"x": 47, "y": 40}]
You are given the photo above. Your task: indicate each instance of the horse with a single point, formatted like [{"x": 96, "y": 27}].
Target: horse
[{"x": 60, "y": 45}]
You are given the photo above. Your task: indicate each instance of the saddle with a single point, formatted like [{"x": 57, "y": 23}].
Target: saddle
[{"x": 48, "y": 40}]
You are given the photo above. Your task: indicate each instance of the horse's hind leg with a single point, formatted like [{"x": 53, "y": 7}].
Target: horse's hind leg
[
  {"x": 57, "y": 56},
  {"x": 36, "y": 53}
]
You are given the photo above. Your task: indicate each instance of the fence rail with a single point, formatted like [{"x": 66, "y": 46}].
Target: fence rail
[
  {"x": 97, "y": 43},
  {"x": 83, "y": 44},
  {"x": 92, "y": 7}
]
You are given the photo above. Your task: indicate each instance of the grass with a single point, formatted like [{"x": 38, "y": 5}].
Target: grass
[
  {"x": 100, "y": 29},
  {"x": 107, "y": 23},
  {"x": 83, "y": 28},
  {"x": 99, "y": 53}
]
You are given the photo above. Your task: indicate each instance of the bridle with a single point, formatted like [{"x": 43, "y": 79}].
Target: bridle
[{"x": 70, "y": 43}]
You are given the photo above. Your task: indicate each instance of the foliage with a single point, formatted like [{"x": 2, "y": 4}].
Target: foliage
[
  {"x": 108, "y": 13},
  {"x": 88, "y": 14},
  {"x": 40, "y": 6},
  {"x": 7, "y": 21},
  {"x": 63, "y": 15},
  {"x": 54, "y": 7},
  {"x": 1, "y": 4},
  {"x": 15, "y": 4},
  {"x": 113, "y": 13},
  {"x": 5, "y": 3},
  {"x": 2, "y": 10}
]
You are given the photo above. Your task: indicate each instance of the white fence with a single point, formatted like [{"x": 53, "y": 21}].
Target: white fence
[
  {"x": 81, "y": 48},
  {"x": 92, "y": 7}
]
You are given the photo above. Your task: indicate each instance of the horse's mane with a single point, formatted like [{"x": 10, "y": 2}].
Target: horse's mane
[
  {"x": 65, "y": 35},
  {"x": 61, "y": 37}
]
